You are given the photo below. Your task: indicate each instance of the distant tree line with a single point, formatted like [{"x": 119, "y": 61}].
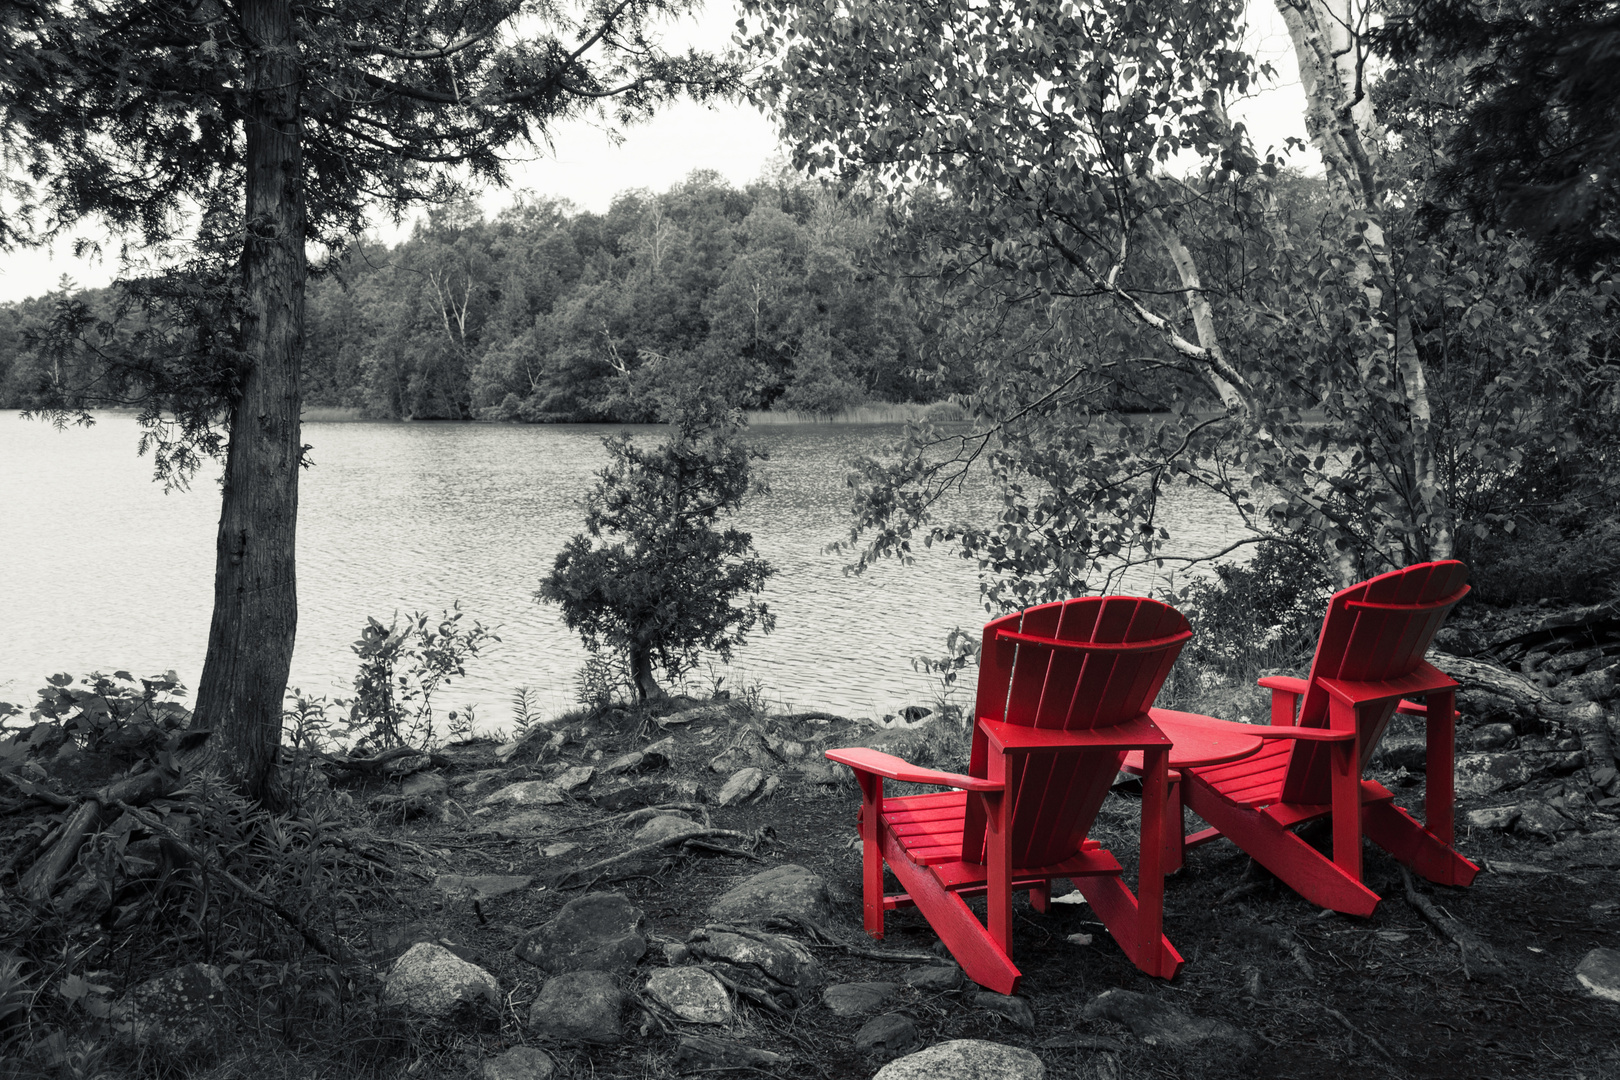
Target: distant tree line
[{"x": 782, "y": 294}]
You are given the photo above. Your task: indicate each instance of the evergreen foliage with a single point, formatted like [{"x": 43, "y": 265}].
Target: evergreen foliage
[{"x": 652, "y": 577}]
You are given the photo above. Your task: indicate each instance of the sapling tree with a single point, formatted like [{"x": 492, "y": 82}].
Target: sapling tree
[{"x": 653, "y": 576}]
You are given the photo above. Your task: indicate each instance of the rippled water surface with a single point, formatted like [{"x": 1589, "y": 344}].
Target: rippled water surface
[{"x": 99, "y": 569}]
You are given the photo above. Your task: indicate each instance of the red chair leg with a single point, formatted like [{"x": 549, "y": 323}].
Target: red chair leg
[
  {"x": 871, "y": 853},
  {"x": 1346, "y": 782},
  {"x": 1175, "y": 829},
  {"x": 1040, "y": 897},
  {"x": 1438, "y": 791},
  {"x": 1150, "y": 858}
]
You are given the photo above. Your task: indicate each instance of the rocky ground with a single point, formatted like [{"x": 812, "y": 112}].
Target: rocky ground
[{"x": 654, "y": 895}]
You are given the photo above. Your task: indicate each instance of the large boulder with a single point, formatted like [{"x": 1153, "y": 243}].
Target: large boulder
[
  {"x": 597, "y": 932},
  {"x": 965, "y": 1059},
  {"x": 789, "y": 889},
  {"x": 175, "y": 1013},
  {"x": 581, "y": 1006},
  {"x": 432, "y": 980}
]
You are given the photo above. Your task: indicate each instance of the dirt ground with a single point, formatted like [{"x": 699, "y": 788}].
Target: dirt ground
[{"x": 1322, "y": 994}]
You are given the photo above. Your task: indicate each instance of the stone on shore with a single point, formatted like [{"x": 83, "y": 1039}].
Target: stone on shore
[
  {"x": 858, "y": 998},
  {"x": 526, "y": 793},
  {"x": 432, "y": 980},
  {"x": 519, "y": 1063},
  {"x": 691, "y": 993},
  {"x": 597, "y": 931},
  {"x": 174, "y": 1013},
  {"x": 933, "y": 977},
  {"x": 789, "y": 890},
  {"x": 482, "y": 886},
  {"x": 887, "y": 1036},
  {"x": 965, "y": 1059},
  {"x": 701, "y": 1052},
  {"x": 581, "y": 1006},
  {"x": 741, "y": 786},
  {"x": 1015, "y": 1009},
  {"x": 666, "y": 825},
  {"x": 1599, "y": 972}
]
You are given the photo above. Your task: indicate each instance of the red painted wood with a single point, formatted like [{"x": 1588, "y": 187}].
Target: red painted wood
[
  {"x": 1063, "y": 694},
  {"x": 1369, "y": 658}
]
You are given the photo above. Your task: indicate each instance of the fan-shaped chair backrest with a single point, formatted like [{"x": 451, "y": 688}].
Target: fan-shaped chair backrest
[
  {"x": 1077, "y": 665},
  {"x": 1379, "y": 629}
]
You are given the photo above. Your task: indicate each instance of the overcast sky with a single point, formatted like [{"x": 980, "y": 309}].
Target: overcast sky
[{"x": 584, "y": 167}]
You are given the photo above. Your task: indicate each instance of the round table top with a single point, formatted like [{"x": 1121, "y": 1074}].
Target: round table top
[{"x": 1199, "y": 740}]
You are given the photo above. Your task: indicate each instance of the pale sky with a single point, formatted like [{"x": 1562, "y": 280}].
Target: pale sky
[{"x": 586, "y": 168}]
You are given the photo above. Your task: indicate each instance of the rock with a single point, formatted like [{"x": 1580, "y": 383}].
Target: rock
[
  {"x": 573, "y": 778},
  {"x": 597, "y": 931},
  {"x": 173, "y": 1013},
  {"x": 887, "y": 1036},
  {"x": 1490, "y": 736},
  {"x": 857, "y": 999},
  {"x": 1015, "y": 1009},
  {"x": 783, "y": 960},
  {"x": 823, "y": 772},
  {"x": 482, "y": 886},
  {"x": 1543, "y": 821},
  {"x": 1574, "y": 661},
  {"x": 519, "y": 1063},
  {"x": 933, "y": 977},
  {"x": 691, "y": 993},
  {"x": 581, "y": 1006},
  {"x": 965, "y": 1059},
  {"x": 558, "y": 850},
  {"x": 1497, "y": 818},
  {"x": 429, "y": 785},
  {"x": 1599, "y": 972},
  {"x": 624, "y": 763},
  {"x": 916, "y": 712},
  {"x": 1480, "y": 775},
  {"x": 1398, "y": 750},
  {"x": 527, "y": 793},
  {"x": 768, "y": 788},
  {"x": 1562, "y": 764},
  {"x": 788, "y": 889},
  {"x": 520, "y": 825},
  {"x": 697, "y": 1052},
  {"x": 1158, "y": 1024},
  {"x": 662, "y": 827},
  {"x": 1598, "y": 685},
  {"x": 432, "y": 980},
  {"x": 741, "y": 786}
]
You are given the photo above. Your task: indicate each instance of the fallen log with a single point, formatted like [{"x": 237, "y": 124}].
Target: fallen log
[{"x": 575, "y": 877}]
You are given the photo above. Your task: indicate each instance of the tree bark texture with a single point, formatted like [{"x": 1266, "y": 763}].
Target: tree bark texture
[
  {"x": 250, "y": 639},
  {"x": 1339, "y": 119}
]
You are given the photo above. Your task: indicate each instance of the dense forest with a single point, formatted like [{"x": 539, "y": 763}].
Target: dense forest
[{"x": 783, "y": 294}]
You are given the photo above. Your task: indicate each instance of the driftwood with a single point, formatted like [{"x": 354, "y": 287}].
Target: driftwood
[
  {"x": 1478, "y": 958},
  {"x": 41, "y": 879},
  {"x": 38, "y": 792},
  {"x": 377, "y": 765}
]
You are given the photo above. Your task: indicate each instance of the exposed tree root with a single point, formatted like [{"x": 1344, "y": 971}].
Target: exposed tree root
[{"x": 1478, "y": 959}]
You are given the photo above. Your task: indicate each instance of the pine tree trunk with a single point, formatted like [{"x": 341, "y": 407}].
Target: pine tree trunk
[{"x": 250, "y": 640}]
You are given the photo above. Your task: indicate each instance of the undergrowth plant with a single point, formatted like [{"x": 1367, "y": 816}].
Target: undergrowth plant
[{"x": 402, "y": 667}]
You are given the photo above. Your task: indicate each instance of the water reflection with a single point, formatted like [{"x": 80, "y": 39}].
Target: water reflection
[{"x": 101, "y": 569}]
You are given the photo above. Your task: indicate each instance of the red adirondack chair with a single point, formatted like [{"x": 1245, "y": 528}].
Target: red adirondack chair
[
  {"x": 1368, "y": 659},
  {"x": 1063, "y": 694}
]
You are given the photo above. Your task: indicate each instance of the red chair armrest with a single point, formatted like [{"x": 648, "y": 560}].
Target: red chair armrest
[
  {"x": 887, "y": 765},
  {"x": 1308, "y": 734},
  {"x": 1412, "y": 708},
  {"x": 1286, "y": 683}
]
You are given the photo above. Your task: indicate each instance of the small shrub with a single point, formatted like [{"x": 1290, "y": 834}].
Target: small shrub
[
  {"x": 402, "y": 667},
  {"x": 652, "y": 578},
  {"x": 1257, "y": 615}
]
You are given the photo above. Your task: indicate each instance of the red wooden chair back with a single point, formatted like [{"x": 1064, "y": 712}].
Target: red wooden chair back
[
  {"x": 1375, "y": 630},
  {"x": 1077, "y": 665}
]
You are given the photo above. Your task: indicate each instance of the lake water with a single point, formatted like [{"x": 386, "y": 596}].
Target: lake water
[{"x": 99, "y": 569}]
